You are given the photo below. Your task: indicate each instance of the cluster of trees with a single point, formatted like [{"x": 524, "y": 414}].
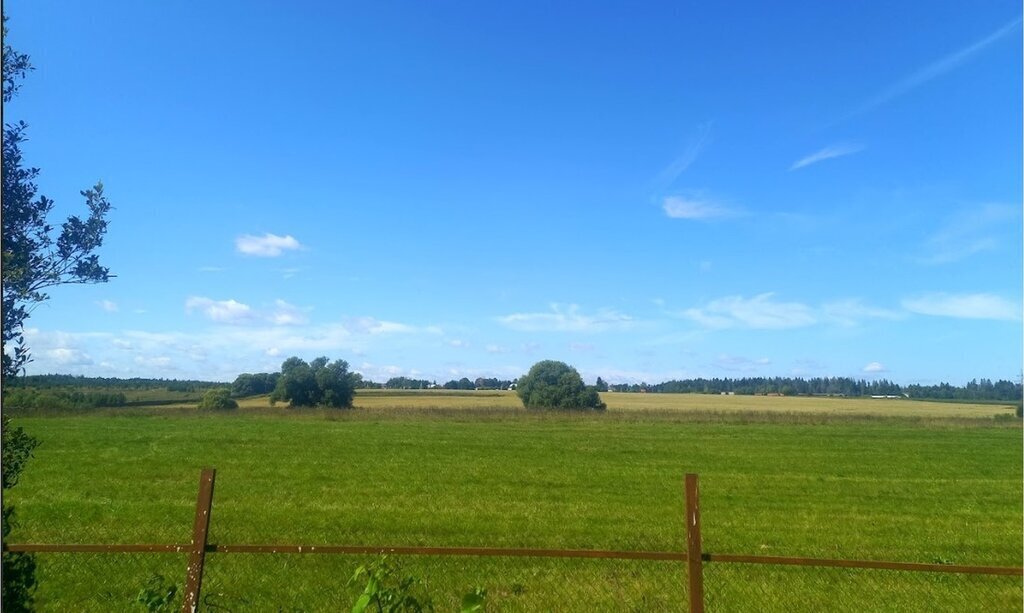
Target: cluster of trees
[
  {"x": 254, "y": 384},
  {"x": 31, "y": 398},
  {"x": 407, "y": 383},
  {"x": 976, "y": 389},
  {"x": 983, "y": 389},
  {"x": 317, "y": 383}
]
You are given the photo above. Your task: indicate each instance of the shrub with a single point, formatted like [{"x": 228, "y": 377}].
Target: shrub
[
  {"x": 556, "y": 385},
  {"x": 218, "y": 399}
]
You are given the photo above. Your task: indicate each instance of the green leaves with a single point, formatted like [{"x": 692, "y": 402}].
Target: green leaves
[
  {"x": 473, "y": 602},
  {"x": 556, "y": 385},
  {"x": 157, "y": 595},
  {"x": 319, "y": 383},
  {"x": 387, "y": 591}
]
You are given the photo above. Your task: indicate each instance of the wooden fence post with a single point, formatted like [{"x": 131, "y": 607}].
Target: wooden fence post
[
  {"x": 200, "y": 530},
  {"x": 694, "y": 559}
]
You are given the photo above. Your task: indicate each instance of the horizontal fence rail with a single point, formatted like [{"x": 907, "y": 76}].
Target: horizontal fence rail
[{"x": 695, "y": 558}]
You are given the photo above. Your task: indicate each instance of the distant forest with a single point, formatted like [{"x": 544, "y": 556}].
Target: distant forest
[
  {"x": 248, "y": 384},
  {"x": 977, "y": 389}
]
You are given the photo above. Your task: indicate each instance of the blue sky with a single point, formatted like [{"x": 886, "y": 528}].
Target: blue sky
[{"x": 454, "y": 189}]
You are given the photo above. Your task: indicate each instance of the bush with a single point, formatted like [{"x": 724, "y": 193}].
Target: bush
[
  {"x": 218, "y": 400},
  {"x": 556, "y": 385}
]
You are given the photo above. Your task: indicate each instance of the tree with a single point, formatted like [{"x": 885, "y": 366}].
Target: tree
[
  {"x": 600, "y": 385},
  {"x": 218, "y": 399},
  {"x": 318, "y": 383},
  {"x": 33, "y": 260},
  {"x": 556, "y": 385}
]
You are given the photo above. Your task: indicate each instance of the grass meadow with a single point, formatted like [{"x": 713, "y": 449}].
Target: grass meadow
[{"x": 816, "y": 477}]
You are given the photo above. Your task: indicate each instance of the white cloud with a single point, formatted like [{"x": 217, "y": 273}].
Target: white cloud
[
  {"x": 694, "y": 207},
  {"x": 107, "y": 305},
  {"x": 567, "y": 319},
  {"x": 458, "y": 343},
  {"x": 211, "y": 269},
  {"x": 764, "y": 312},
  {"x": 689, "y": 155},
  {"x": 69, "y": 357},
  {"x": 965, "y": 306},
  {"x": 223, "y": 311},
  {"x": 850, "y": 312},
  {"x": 370, "y": 325},
  {"x": 970, "y": 232},
  {"x": 492, "y": 348},
  {"x": 936, "y": 69},
  {"x": 874, "y": 367},
  {"x": 268, "y": 245},
  {"x": 285, "y": 314},
  {"x": 759, "y": 312},
  {"x": 740, "y": 363},
  {"x": 830, "y": 152},
  {"x": 161, "y": 362},
  {"x": 581, "y": 347}
]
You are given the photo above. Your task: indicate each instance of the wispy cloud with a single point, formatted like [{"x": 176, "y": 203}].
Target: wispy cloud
[
  {"x": 760, "y": 312},
  {"x": 741, "y": 363},
  {"x": 969, "y": 233},
  {"x": 679, "y": 165},
  {"x": 267, "y": 246},
  {"x": 567, "y": 319},
  {"x": 852, "y": 311},
  {"x": 108, "y": 305},
  {"x": 964, "y": 306},
  {"x": 285, "y": 314},
  {"x": 765, "y": 312},
  {"x": 695, "y": 208},
  {"x": 936, "y": 69},
  {"x": 828, "y": 153}
]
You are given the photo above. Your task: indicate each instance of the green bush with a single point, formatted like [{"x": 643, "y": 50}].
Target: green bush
[
  {"x": 218, "y": 400},
  {"x": 556, "y": 385}
]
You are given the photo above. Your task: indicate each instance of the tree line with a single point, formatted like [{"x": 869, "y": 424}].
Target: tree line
[
  {"x": 254, "y": 384},
  {"x": 976, "y": 389},
  {"x": 135, "y": 383}
]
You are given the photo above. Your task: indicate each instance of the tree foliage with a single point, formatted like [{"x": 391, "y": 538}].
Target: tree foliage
[
  {"x": 248, "y": 384},
  {"x": 556, "y": 385},
  {"x": 318, "y": 383},
  {"x": 34, "y": 259},
  {"x": 218, "y": 400}
]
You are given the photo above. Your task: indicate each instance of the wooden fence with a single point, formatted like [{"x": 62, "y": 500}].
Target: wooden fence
[{"x": 694, "y": 557}]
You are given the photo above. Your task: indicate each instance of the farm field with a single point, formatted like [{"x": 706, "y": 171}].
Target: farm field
[{"x": 938, "y": 483}]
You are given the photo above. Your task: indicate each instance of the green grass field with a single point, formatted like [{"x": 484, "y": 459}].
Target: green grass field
[{"x": 935, "y": 482}]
